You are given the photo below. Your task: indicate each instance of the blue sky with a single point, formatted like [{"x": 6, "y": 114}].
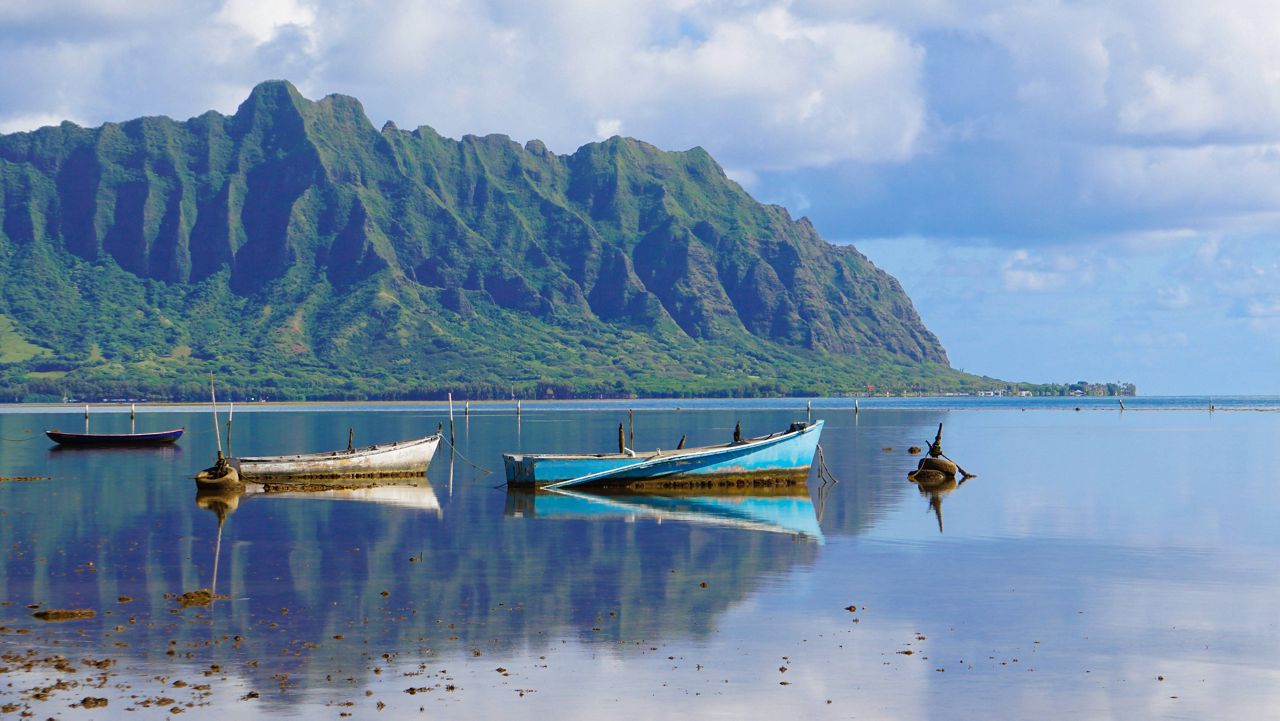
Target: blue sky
[{"x": 1068, "y": 190}]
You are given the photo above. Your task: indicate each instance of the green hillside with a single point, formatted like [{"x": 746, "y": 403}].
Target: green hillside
[{"x": 299, "y": 252}]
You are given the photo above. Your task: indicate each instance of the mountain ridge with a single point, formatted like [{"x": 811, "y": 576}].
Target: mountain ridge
[{"x": 293, "y": 246}]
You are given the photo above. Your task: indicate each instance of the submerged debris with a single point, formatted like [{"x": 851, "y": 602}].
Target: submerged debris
[
  {"x": 936, "y": 476},
  {"x": 200, "y": 597},
  {"x": 64, "y": 614}
]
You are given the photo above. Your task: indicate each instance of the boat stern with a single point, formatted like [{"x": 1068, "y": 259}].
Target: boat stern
[{"x": 519, "y": 469}]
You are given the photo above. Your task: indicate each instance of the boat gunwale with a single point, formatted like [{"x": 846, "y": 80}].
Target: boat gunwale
[
  {"x": 640, "y": 456},
  {"x": 325, "y": 456}
]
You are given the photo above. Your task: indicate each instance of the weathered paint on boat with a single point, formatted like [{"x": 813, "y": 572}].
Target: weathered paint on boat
[
  {"x": 114, "y": 439},
  {"x": 399, "y": 459},
  {"x": 787, "y": 454},
  {"x": 777, "y": 513}
]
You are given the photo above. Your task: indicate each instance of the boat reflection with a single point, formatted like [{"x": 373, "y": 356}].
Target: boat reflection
[
  {"x": 222, "y": 503},
  {"x": 418, "y": 495},
  {"x": 787, "y": 509},
  {"x": 160, "y": 450}
]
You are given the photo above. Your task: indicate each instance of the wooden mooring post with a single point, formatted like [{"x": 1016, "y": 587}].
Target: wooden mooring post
[{"x": 450, "y": 420}]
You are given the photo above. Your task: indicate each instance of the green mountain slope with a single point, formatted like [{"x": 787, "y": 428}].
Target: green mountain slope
[{"x": 299, "y": 252}]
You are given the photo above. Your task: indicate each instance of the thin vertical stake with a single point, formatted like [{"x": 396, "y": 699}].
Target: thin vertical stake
[
  {"x": 450, "y": 419},
  {"x": 213, "y": 400}
]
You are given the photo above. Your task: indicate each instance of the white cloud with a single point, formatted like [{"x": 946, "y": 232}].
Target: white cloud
[
  {"x": 789, "y": 92},
  {"x": 1024, "y": 270},
  {"x": 745, "y": 177},
  {"x": 1173, "y": 297},
  {"x": 262, "y": 19},
  {"x": 19, "y": 123},
  {"x": 1187, "y": 105},
  {"x": 754, "y": 83},
  {"x": 608, "y": 127},
  {"x": 1262, "y": 308}
]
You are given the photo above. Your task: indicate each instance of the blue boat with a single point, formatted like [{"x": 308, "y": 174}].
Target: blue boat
[{"x": 782, "y": 457}]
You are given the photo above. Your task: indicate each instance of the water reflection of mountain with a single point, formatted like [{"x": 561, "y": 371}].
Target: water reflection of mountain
[
  {"x": 322, "y": 588},
  {"x": 457, "y": 577}
]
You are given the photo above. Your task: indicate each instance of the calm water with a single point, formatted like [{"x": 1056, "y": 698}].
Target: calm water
[{"x": 1101, "y": 565}]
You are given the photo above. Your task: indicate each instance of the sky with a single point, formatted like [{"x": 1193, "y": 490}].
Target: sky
[{"x": 1080, "y": 190}]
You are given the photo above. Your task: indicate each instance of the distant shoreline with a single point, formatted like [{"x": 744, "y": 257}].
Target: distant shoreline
[{"x": 1200, "y": 403}]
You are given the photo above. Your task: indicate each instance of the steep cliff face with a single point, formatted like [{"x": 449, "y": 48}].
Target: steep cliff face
[{"x": 318, "y": 233}]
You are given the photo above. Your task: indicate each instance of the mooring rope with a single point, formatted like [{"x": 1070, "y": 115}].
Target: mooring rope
[
  {"x": 453, "y": 448},
  {"x": 823, "y": 472}
]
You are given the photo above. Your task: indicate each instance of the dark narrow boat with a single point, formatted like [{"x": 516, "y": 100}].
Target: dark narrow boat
[{"x": 114, "y": 439}]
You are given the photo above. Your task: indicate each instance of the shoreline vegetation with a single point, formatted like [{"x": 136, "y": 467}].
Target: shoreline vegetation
[
  {"x": 228, "y": 393},
  {"x": 196, "y": 392}
]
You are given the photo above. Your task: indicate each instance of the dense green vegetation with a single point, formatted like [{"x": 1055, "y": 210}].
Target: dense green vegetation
[{"x": 300, "y": 253}]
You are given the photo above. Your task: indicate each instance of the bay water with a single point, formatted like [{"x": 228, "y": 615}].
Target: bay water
[{"x": 1101, "y": 564}]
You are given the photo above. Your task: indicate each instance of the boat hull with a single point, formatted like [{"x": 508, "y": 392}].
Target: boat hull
[
  {"x": 778, "y": 458},
  {"x": 114, "y": 439},
  {"x": 401, "y": 459}
]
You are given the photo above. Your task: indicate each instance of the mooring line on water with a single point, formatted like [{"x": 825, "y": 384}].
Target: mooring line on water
[
  {"x": 823, "y": 471},
  {"x": 17, "y": 440},
  {"x": 470, "y": 462}
]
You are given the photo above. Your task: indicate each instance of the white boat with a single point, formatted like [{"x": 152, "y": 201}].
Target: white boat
[{"x": 398, "y": 459}]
